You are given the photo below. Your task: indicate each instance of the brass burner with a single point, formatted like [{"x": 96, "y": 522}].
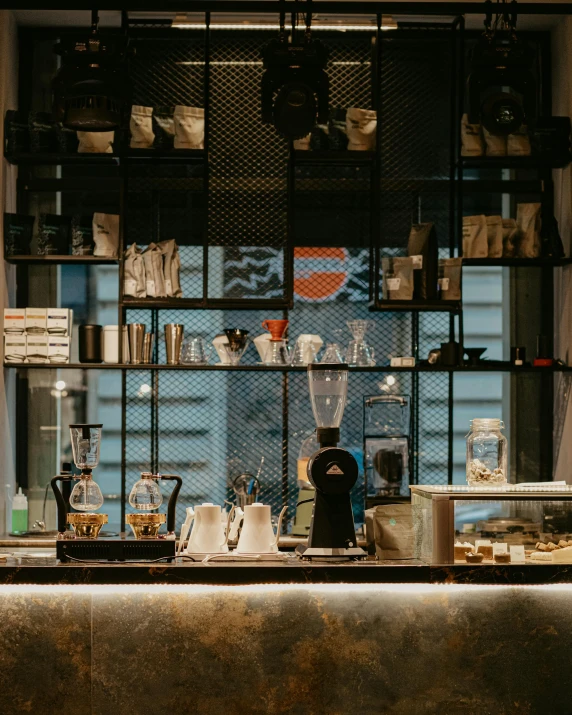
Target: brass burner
[
  {"x": 87, "y": 526},
  {"x": 146, "y": 526}
]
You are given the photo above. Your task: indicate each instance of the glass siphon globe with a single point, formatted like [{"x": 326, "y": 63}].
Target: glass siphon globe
[
  {"x": 146, "y": 495},
  {"x": 86, "y": 495}
]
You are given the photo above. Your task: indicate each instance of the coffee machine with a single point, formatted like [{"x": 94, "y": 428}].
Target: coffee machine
[
  {"x": 332, "y": 471},
  {"x": 79, "y": 511}
]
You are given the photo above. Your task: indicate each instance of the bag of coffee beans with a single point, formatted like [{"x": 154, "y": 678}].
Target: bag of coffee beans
[
  {"x": 397, "y": 278},
  {"x": 475, "y": 237},
  {"x": 361, "y": 126},
  {"x": 106, "y": 235},
  {"x": 529, "y": 225},
  {"x": 509, "y": 237},
  {"x": 141, "y": 127},
  {"x": 43, "y": 133},
  {"x": 95, "y": 142},
  {"x": 18, "y": 234},
  {"x": 450, "y": 270},
  {"x": 518, "y": 144},
  {"x": 163, "y": 128},
  {"x": 154, "y": 277},
  {"x": 82, "y": 235},
  {"x": 471, "y": 138},
  {"x": 494, "y": 236},
  {"x": 189, "y": 127},
  {"x": 171, "y": 268},
  {"x": 303, "y": 144},
  {"x": 16, "y": 132},
  {"x": 134, "y": 273},
  {"x": 422, "y": 249},
  {"x": 496, "y": 145},
  {"x": 54, "y": 235}
]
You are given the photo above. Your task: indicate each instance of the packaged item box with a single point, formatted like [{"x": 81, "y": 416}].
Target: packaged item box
[
  {"x": 37, "y": 348},
  {"x": 15, "y": 349},
  {"x": 35, "y": 321},
  {"x": 59, "y": 321},
  {"x": 58, "y": 349},
  {"x": 14, "y": 321}
]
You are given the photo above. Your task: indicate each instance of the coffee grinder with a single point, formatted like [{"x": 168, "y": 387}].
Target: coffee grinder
[
  {"x": 332, "y": 471},
  {"x": 86, "y": 498}
]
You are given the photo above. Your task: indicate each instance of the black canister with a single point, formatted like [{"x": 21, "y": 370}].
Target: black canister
[
  {"x": 450, "y": 354},
  {"x": 90, "y": 343}
]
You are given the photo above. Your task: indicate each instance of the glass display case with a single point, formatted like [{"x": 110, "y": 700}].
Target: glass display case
[{"x": 494, "y": 525}]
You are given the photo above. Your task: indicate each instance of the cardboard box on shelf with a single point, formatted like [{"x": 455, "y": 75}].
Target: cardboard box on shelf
[
  {"x": 58, "y": 349},
  {"x": 15, "y": 349},
  {"x": 35, "y": 321},
  {"x": 14, "y": 321},
  {"x": 59, "y": 321},
  {"x": 37, "y": 349}
]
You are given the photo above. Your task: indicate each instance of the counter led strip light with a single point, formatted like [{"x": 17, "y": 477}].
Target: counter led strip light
[{"x": 182, "y": 23}]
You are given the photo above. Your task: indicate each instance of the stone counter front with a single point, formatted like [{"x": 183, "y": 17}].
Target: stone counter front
[{"x": 333, "y": 648}]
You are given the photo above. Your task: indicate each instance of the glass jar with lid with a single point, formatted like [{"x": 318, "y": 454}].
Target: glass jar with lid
[{"x": 486, "y": 453}]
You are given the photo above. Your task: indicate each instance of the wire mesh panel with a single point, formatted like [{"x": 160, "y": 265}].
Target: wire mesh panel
[
  {"x": 247, "y": 224},
  {"x": 415, "y": 112}
]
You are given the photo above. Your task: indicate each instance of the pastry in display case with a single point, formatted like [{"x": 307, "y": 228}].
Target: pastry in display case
[{"x": 513, "y": 523}]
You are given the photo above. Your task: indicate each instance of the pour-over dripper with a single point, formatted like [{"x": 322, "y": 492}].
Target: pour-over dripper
[
  {"x": 85, "y": 441},
  {"x": 237, "y": 344},
  {"x": 358, "y": 328}
]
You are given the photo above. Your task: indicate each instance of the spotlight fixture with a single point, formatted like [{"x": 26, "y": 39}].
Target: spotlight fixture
[
  {"x": 295, "y": 86},
  {"x": 501, "y": 86},
  {"x": 91, "y": 90}
]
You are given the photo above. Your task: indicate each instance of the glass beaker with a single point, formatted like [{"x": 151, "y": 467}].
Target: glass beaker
[
  {"x": 86, "y": 494},
  {"x": 486, "y": 453},
  {"x": 146, "y": 494},
  {"x": 277, "y": 353},
  {"x": 304, "y": 353},
  {"x": 196, "y": 351}
]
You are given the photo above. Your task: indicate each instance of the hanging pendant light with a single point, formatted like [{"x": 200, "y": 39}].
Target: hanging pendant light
[{"x": 91, "y": 90}]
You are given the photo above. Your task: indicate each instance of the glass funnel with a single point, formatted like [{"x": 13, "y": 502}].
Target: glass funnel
[
  {"x": 85, "y": 440},
  {"x": 358, "y": 328},
  {"x": 146, "y": 494},
  {"x": 328, "y": 392}
]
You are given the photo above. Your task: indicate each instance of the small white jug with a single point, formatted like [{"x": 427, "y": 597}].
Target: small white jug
[
  {"x": 257, "y": 535},
  {"x": 208, "y": 532}
]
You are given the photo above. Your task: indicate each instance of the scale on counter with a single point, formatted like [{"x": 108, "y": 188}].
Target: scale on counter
[
  {"x": 79, "y": 509},
  {"x": 332, "y": 471}
]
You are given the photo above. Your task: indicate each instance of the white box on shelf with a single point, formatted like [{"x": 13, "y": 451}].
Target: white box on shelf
[
  {"x": 402, "y": 362},
  {"x": 15, "y": 349},
  {"x": 59, "y": 321},
  {"x": 58, "y": 349},
  {"x": 14, "y": 321},
  {"x": 37, "y": 349},
  {"x": 35, "y": 321}
]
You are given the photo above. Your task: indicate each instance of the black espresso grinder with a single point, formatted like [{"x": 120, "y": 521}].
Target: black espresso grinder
[{"x": 331, "y": 470}]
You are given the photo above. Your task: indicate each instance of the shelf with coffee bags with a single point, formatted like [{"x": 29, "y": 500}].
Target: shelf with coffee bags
[
  {"x": 61, "y": 260},
  {"x": 445, "y": 306},
  {"x": 89, "y": 159},
  {"x": 347, "y": 157},
  {"x": 540, "y": 262}
]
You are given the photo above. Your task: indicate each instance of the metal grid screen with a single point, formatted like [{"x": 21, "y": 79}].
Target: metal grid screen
[{"x": 210, "y": 426}]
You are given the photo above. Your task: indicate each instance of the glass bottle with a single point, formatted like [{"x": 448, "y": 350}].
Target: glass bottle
[
  {"x": 487, "y": 449},
  {"x": 86, "y": 494}
]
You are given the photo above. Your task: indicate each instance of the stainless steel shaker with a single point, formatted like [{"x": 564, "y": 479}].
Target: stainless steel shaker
[
  {"x": 173, "y": 342},
  {"x": 148, "y": 341},
  {"x": 136, "y": 333}
]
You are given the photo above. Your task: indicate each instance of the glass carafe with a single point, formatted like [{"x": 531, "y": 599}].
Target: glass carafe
[
  {"x": 86, "y": 495},
  {"x": 277, "y": 353},
  {"x": 486, "y": 454},
  {"x": 146, "y": 495}
]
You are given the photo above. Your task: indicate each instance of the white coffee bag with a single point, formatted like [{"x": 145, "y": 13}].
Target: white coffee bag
[
  {"x": 106, "y": 235},
  {"x": 141, "y": 127},
  {"x": 189, "y": 127},
  {"x": 361, "y": 125},
  {"x": 95, "y": 142}
]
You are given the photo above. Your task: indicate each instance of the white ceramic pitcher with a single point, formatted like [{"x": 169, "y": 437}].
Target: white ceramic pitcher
[
  {"x": 208, "y": 530},
  {"x": 257, "y": 535}
]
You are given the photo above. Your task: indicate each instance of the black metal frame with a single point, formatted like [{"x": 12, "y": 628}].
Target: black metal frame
[{"x": 125, "y": 160}]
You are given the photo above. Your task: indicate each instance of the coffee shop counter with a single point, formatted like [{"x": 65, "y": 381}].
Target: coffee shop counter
[{"x": 395, "y": 638}]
